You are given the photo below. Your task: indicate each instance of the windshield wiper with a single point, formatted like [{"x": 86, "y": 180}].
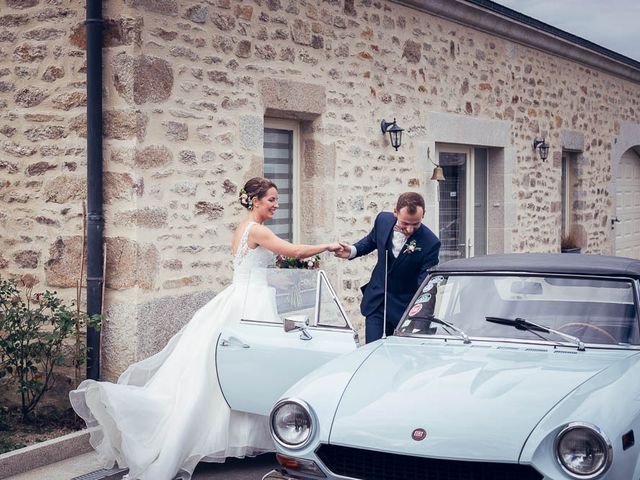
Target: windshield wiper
[
  {"x": 458, "y": 330},
  {"x": 522, "y": 324}
]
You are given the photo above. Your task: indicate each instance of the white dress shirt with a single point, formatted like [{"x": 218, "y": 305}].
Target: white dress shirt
[{"x": 398, "y": 242}]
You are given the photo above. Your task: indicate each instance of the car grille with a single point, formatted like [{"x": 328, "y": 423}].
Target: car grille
[{"x": 371, "y": 465}]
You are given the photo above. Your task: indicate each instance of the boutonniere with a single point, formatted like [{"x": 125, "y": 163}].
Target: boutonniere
[{"x": 411, "y": 247}]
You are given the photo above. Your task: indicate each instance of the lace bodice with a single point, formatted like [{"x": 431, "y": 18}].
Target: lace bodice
[{"x": 247, "y": 259}]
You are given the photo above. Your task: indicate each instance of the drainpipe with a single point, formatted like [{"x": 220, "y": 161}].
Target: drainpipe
[{"x": 95, "y": 225}]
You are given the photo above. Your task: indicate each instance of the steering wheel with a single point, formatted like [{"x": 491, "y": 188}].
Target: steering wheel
[{"x": 600, "y": 331}]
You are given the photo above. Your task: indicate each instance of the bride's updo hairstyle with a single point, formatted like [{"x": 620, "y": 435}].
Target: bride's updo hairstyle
[{"x": 257, "y": 187}]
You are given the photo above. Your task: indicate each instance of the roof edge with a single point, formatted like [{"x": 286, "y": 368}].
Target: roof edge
[
  {"x": 545, "y": 263},
  {"x": 490, "y": 17}
]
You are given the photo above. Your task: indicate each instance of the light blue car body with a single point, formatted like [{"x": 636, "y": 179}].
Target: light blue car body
[
  {"x": 499, "y": 401},
  {"x": 476, "y": 402}
]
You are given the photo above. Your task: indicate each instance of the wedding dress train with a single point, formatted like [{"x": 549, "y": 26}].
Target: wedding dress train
[{"x": 167, "y": 413}]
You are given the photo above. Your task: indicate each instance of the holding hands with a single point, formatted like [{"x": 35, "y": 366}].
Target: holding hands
[
  {"x": 333, "y": 247},
  {"x": 344, "y": 251}
]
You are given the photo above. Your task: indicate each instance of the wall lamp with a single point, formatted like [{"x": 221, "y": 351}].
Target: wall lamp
[
  {"x": 543, "y": 148},
  {"x": 395, "y": 132}
]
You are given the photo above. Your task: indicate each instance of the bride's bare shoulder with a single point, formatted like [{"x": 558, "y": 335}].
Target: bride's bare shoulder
[{"x": 240, "y": 228}]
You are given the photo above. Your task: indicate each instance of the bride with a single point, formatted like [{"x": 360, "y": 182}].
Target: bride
[{"x": 167, "y": 413}]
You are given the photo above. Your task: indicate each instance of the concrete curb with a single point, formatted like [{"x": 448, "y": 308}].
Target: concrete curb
[{"x": 44, "y": 453}]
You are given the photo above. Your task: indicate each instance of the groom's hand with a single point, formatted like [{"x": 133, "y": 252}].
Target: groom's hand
[
  {"x": 334, "y": 247},
  {"x": 344, "y": 251}
]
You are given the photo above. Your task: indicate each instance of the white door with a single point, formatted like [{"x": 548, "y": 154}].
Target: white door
[
  {"x": 462, "y": 201},
  {"x": 627, "y": 226},
  {"x": 258, "y": 360}
]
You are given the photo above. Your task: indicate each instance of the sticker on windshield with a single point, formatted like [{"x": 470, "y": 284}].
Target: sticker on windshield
[
  {"x": 424, "y": 298},
  {"x": 415, "y": 310},
  {"x": 434, "y": 281}
]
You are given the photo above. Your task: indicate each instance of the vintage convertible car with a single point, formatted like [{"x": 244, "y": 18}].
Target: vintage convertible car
[{"x": 521, "y": 366}]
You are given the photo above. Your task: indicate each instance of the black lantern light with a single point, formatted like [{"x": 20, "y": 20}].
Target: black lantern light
[
  {"x": 395, "y": 132},
  {"x": 543, "y": 148}
]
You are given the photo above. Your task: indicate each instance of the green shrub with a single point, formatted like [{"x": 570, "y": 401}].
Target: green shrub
[
  {"x": 8, "y": 445},
  {"x": 33, "y": 329}
]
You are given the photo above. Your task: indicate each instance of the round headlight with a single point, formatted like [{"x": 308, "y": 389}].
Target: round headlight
[
  {"x": 291, "y": 423},
  {"x": 583, "y": 451}
]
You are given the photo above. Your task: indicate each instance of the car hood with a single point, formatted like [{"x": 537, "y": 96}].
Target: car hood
[{"x": 479, "y": 401}]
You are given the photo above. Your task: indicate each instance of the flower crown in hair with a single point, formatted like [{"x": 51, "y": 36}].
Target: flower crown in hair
[{"x": 245, "y": 200}]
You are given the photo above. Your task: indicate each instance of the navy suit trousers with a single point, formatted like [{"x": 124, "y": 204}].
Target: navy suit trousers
[{"x": 373, "y": 326}]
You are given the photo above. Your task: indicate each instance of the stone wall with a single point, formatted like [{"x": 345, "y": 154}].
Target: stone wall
[{"x": 187, "y": 85}]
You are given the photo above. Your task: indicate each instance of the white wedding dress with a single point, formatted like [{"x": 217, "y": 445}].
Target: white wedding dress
[{"x": 167, "y": 413}]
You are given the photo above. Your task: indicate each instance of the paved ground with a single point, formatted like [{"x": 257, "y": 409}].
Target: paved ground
[
  {"x": 72, "y": 467},
  {"x": 232, "y": 469}
]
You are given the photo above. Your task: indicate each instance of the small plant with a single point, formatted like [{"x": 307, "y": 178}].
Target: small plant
[
  {"x": 33, "y": 329},
  {"x": 570, "y": 243},
  {"x": 7, "y": 445}
]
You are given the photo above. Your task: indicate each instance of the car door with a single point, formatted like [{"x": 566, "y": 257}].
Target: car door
[{"x": 258, "y": 360}]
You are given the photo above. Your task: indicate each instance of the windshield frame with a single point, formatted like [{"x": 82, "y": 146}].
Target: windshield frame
[{"x": 635, "y": 283}]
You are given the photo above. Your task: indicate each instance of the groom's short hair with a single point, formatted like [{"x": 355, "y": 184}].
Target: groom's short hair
[{"x": 411, "y": 201}]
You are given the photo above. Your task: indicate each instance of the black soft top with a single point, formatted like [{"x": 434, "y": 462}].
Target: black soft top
[{"x": 559, "y": 263}]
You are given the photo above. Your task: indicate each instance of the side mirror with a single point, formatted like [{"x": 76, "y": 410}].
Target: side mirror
[
  {"x": 295, "y": 322},
  {"x": 298, "y": 322}
]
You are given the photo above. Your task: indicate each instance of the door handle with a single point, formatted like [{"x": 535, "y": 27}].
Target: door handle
[
  {"x": 467, "y": 245},
  {"x": 233, "y": 342}
]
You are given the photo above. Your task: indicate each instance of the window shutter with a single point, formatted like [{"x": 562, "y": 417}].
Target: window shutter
[{"x": 278, "y": 167}]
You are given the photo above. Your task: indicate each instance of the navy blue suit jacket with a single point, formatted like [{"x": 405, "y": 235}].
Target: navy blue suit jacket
[{"x": 405, "y": 273}]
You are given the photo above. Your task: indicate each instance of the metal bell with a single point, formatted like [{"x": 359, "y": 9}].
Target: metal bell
[{"x": 438, "y": 174}]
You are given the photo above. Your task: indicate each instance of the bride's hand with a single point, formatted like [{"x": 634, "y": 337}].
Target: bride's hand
[
  {"x": 334, "y": 247},
  {"x": 344, "y": 251}
]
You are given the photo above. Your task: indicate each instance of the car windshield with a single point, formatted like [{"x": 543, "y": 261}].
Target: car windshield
[{"x": 596, "y": 311}]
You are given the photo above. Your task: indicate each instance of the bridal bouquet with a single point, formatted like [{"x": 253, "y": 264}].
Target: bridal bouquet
[{"x": 290, "y": 262}]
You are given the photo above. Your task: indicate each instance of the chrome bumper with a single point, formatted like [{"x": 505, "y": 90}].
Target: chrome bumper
[{"x": 276, "y": 475}]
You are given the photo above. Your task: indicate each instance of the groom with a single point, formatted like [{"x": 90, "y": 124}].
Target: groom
[{"x": 411, "y": 249}]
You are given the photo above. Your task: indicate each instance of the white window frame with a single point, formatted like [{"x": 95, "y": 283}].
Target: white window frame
[
  {"x": 294, "y": 127},
  {"x": 568, "y": 162},
  {"x": 469, "y": 151}
]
